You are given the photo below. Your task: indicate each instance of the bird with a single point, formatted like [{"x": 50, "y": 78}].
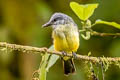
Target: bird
[{"x": 65, "y": 36}]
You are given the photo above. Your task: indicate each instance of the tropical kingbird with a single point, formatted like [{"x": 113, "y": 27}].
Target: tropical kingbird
[{"x": 65, "y": 38}]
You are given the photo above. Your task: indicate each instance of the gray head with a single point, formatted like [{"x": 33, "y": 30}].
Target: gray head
[{"x": 58, "y": 19}]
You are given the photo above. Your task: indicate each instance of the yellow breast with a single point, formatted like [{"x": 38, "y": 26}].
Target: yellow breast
[{"x": 66, "y": 39}]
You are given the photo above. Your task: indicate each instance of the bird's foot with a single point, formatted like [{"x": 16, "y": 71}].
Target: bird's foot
[
  {"x": 64, "y": 53},
  {"x": 74, "y": 55}
]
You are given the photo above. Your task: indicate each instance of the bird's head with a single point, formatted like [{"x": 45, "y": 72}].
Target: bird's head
[{"x": 58, "y": 19}]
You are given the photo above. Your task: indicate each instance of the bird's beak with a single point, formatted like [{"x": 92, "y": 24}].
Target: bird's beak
[{"x": 47, "y": 24}]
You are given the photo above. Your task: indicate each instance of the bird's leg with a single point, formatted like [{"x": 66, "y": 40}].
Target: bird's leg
[{"x": 74, "y": 55}]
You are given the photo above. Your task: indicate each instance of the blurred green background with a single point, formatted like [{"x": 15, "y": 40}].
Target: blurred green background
[{"x": 20, "y": 23}]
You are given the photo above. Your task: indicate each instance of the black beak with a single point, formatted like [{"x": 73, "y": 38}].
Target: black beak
[{"x": 47, "y": 24}]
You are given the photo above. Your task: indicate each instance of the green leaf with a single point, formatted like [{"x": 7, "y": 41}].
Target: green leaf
[
  {"x": 42, "y": 69},
  {"x": 52, "y": 60},
  {"x": 48, "y": 60},
  {"x": 83, "y": 11},
  {"x": 114, "y": 24}
]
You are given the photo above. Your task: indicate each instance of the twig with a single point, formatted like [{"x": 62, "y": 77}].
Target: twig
[
  {"x": 94, "y": 33},
  {"x": 30, "y": 49}
]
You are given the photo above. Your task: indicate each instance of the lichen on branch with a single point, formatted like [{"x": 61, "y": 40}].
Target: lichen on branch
[{"x": 30, "y": 49}]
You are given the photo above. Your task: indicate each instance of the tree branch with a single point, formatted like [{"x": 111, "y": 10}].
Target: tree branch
[
  {"x": 94, "y": 33},
  {"x": 30, "y": 49}
]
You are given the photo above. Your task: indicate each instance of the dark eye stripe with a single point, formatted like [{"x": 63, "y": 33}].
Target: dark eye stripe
[{"x": 58, "y": 18}]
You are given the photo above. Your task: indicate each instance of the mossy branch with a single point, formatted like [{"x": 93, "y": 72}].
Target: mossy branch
[{"x": 30, "y": 49}]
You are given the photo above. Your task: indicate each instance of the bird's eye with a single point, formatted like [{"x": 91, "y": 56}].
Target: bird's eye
[{"x": 55, "y": 20}]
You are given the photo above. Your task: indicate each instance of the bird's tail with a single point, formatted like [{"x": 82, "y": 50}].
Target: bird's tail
[{"x": 68, "y": 66}]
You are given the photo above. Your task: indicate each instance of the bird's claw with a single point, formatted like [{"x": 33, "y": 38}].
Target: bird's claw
[
  {"x": 74, "y": 55},
  {"x": 64, "y": 53}
]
